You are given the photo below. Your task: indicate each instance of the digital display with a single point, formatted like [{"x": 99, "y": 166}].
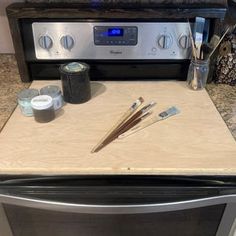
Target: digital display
[
  {"x": 115, "y": 35},
  {"x": 119, "y": 32}
]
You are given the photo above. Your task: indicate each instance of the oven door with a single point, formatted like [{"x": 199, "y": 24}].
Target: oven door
[{"x": 105, "y": 206}]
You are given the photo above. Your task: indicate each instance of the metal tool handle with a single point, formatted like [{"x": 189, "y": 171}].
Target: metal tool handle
[{"x": 115, "y": 209}]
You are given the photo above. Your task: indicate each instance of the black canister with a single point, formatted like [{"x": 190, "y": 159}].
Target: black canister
[{"x": 75, "y": 82}]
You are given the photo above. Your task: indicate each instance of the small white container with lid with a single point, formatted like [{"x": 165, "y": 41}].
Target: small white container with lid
[{"x": 43, "y": 108}]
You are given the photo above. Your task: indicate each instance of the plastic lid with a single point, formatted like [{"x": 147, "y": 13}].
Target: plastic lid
[
  {"x": 41, "y": 102},
  {"x": 74, "y": 67},
  {"x": 27, "y": 94},
  {"x": 51, "y": 90}
]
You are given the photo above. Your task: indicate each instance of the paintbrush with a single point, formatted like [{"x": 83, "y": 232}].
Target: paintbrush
[
  {"x": 216, "y": 46},
  {"x": 161, "y": 116},
  {"x": 123, "y": 130},
  {"x": 136, "y": 115},
  {"x": 122, "y": 119},
  {"x": 198, "y": 33},
  {"x": 116, "y": 131},
  {"x": 194, "y": 50}
]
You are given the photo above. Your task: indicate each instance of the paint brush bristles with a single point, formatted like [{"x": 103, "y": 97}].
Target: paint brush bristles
[
  {"x": 161, "y": 116},
  {"x": 123, "y": 118}
]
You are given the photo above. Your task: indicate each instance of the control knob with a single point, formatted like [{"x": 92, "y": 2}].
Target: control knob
[
  {"x": 67, "y": 42},
  {"x": 184, "y": 42},
  {"x": 165, "y": 41},
  {"x": 45, "y": 42}
]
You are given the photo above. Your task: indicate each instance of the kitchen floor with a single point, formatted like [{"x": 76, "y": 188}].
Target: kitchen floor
[{"x": 223, "y": 96}]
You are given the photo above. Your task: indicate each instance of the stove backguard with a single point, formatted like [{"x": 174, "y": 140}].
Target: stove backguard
[{"x": 118, "y": 43}]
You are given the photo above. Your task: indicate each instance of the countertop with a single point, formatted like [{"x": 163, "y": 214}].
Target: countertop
[
  {"x": 223, "y": 96},
  {"x": 10, "y": 85}
]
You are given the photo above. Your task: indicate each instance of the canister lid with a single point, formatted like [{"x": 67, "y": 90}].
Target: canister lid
[
  {"x": 74, "y": 67},
  {"x": 51, "y": 90},
  {"x": 27, "y": 94},
  {"x": 41, "y": 102}
]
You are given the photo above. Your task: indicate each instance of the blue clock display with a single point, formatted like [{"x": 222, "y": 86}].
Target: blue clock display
[
  {"x": 115, "y": 35},
  {"x": 118, "y": 32}
]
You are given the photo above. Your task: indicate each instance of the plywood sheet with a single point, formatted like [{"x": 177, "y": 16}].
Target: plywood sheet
[{"x": 196, "y": 141}]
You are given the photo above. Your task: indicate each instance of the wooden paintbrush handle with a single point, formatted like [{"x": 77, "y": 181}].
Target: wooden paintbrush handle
[
  {"x": 126, "y": 122},
  {"x": 194, "y": 82},
  {"x": 134, "y": 123},
  {"x": 115, "y": 136},
  {"x": 140, "y": 127},
  {"x": 116, "y": 132},
  {"x": 123, "y": 118},
  {"x": 122, "y": 130}
]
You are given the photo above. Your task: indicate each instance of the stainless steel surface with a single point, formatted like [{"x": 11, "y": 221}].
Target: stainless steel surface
[
  {"x": 5, "y": 229},
  {"x": 115, "y": 209},
  {"x": 227, "y": 226},
  {"x": 233, "y": 229},
  {"x": 75, "y": 40}
]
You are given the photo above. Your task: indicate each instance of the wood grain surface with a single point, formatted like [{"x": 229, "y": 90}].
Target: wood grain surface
[{"x": 196, "y": 141}]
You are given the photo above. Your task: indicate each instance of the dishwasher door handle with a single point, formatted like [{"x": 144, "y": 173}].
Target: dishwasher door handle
[{"x": 115, "y": 209}]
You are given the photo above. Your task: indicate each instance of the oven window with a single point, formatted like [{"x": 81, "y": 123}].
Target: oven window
[{"x": 202, "y": 221}]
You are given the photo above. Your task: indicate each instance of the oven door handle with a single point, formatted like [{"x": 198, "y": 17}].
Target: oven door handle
[{"x": 115, "y": 209}]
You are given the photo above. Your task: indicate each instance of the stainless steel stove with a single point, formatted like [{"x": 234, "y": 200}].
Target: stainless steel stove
[{"x": 121, "y": 40}]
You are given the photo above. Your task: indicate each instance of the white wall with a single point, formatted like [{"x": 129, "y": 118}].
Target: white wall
[{"x": 5, "y": 37}]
